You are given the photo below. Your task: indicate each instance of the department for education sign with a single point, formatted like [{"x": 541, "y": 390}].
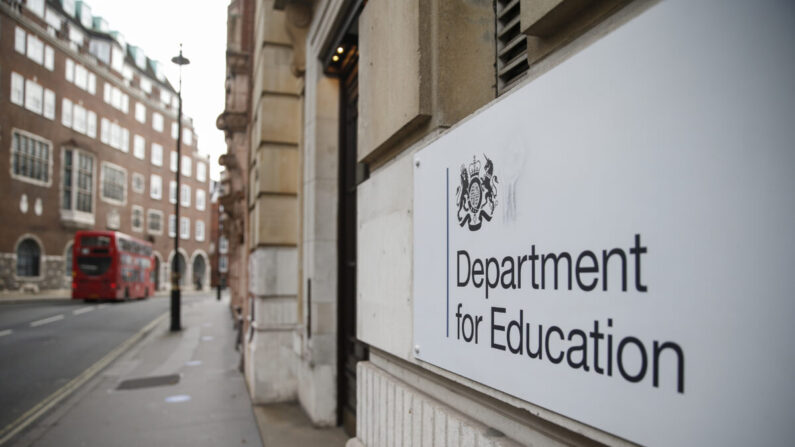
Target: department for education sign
[{"x": 614, "y": 241}]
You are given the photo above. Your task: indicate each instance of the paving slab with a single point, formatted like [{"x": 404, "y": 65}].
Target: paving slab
[{"x": 286, "y": 424}]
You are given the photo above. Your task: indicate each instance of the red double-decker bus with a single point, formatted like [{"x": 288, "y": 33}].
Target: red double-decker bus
[{"x": 110, "y": 265}]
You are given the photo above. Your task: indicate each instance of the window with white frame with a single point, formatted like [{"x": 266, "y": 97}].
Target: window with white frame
[
  {"x": 139, "y": 147},
  {"x": 17, "y": 89},
  {"x": 91, "y": 124},
  {"x": 146, "y": 85},
  {"x": 187, "y": 136},
  {"x": 76, "y": 117},
  {"x": 28, "y": 258},
  {"x": 200, "y": 231},
  {"x": 34, "y": 97},
  {"x": 69, "y": 7},
  {"x": 138, "y": 183},
  {"x": 35, "y": 49},
  {"x": 173, "y": 164},
  {"x": 49, "y": 58},
  {"x": 79, "y": 119},
  {"x": 172, "y": 191},
  {"x": 66, "y": 112},
  {"x": 49, "y": 104},
  {"x": 165, "y": 97},
  {"x": 156, "y": 187},
  {"x": 117, "y": 59},
  {"x": 140, "y": 112},
  {"x": 174, "y": 130},
  {"x": 81, "y": 77},
  {"x": 100, "y": 49},
  {"x": 223, "y": 244},
  {"x": 78, "y": 181},
  {"x": 36, "y": 6},
  {"x": 31, "y": 158},
  {"x": 115, "y": 135},
  {"x": 184, "y": 195},
  {"x": 92, "y": 83},
  {"x": 114, "y": 183},
  {"x": 125, "y": 140},
  {"x": 157, "y": 121},
  {"x": 70, "y": 70},
  {"x": 187, "y": 167},
  {"x": 201, "y": 197},
  {"x": 155, "y": 221},
  {"x": 53, "y": 19},
  {"x": 137, "y": 219},
  {"x": 127, "y": 73},
  {"x": 184, "y": 228},
  {"x": 201, "y": 171},
  {"x": 115, "y": 97},
  {"x": 172, "y": 225},
  {"x": 104, "y": 131},
  {"x": 157, "y": 154},
  {"x": 19, "y": 40}
]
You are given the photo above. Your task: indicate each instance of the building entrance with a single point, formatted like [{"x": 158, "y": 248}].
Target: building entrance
[{"x": 351, "y": 350}]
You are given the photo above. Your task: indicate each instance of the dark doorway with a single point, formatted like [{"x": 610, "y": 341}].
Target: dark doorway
[
  {"x": 199, "y": 266},
  {"x": 351, "y": 350},
  {"x": 180, "y": 265},
  {"x": 156, "y": 273}
]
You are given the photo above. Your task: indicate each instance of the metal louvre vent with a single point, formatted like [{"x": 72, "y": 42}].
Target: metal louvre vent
[{"x": 511, "y": 45}]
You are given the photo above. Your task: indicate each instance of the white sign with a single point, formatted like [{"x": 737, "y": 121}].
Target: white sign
[{"x": 614, "y": 241}]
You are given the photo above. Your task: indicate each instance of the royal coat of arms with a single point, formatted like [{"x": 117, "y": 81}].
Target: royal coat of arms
[{"x": 476, "y": 197}]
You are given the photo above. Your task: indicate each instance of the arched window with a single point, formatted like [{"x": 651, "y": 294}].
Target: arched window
[{"x": 28, "y": 258}]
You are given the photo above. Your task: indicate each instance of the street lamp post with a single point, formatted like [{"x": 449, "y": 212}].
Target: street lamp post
[{"x": 175, "y": 292}]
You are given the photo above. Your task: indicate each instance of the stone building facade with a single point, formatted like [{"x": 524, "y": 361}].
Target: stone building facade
[
  {"x": 340, "y": 96},
  {"x": 233, "y": 192},
  {"x": 88, "y": 132}
]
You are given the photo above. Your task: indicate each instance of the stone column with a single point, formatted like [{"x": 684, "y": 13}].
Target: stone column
[{"x": 273, "y": 211}]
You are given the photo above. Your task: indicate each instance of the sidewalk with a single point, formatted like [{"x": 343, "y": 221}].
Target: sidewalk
[{"x": 171, "y": 389}]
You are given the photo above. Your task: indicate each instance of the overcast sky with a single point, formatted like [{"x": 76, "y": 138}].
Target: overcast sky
[{"x": 158, "y": 27}]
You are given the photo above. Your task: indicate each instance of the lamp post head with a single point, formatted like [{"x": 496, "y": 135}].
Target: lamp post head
[{"x": 180, "y": 60}]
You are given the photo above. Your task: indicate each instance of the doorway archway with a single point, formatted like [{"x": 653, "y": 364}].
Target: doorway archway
[
  {"x": 199, "y": 271},
  {"x": 181, "y": 264}
]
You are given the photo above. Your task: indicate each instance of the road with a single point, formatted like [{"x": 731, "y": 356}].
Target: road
[{"x": 44, "y": 345}]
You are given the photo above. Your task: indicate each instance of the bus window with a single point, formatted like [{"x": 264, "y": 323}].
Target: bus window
[
  {"x": 93, "y": 266},
  {"x": 95, "y": 241}
]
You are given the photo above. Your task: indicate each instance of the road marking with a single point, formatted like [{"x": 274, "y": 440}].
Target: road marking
[
  {"x": 44, "y": 321},
  {"x": 5, "y": 332},
  {"x": 83, "y": 310},
  {"x": 30, "y": 416},
  {"x": 101, "y": 306}
]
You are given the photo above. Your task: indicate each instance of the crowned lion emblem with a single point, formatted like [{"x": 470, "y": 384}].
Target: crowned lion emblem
[{"x": 476, "y": 196}]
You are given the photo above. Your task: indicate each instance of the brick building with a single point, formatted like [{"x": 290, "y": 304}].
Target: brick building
[{"x": 88, "y": 136}]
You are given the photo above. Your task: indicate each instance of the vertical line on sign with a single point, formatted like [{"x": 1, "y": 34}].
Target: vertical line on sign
[{"x": 447, "y": 222}]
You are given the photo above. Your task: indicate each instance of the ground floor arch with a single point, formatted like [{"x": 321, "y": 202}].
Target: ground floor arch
[
  {"x": 183, "y": 268},
  {"x": 200, "y": 271}
]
